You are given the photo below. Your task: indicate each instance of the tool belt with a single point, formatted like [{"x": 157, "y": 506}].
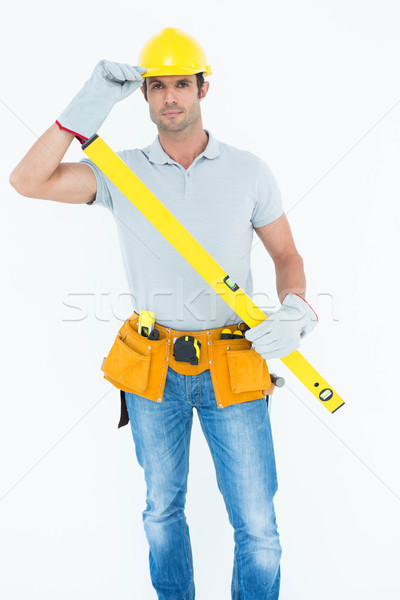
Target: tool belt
[{"x": 139, "y": 365}]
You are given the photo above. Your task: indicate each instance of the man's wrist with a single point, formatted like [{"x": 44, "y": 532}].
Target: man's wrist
[
  {"x": 78, "y": 136},
  {"x": 297, "y": 292},
  {"x": 291, "y": 298}
]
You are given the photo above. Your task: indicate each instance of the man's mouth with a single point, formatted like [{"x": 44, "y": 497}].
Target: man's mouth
[{"x": 172, "y": 113}]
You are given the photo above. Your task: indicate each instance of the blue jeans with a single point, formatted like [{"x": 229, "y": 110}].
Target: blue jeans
[{"x": 240, "y": 441}]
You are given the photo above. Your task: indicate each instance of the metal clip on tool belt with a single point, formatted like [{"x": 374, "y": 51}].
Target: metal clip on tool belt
[{"x": 139, "y": 365}]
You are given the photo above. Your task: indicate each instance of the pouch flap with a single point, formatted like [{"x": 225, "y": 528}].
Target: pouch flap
[{"x": 248, "y": 371}]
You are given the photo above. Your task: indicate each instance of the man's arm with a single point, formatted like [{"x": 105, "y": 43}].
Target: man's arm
[
  {"x": 278, "y": 240},
  {"x": 281, "y": 333},
  {"x": 40, "y": 174}
]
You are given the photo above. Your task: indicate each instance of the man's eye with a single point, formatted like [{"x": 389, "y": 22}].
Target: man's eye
[{"x": 183, "y": 83}]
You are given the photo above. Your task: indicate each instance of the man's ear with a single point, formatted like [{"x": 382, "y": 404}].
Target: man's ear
[
  {"x": 142, "y": 89},
  {"x": 204, "y": 90}
]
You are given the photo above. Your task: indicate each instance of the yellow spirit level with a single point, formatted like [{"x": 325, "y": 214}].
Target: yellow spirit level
[{"x": 164, "y": 221}]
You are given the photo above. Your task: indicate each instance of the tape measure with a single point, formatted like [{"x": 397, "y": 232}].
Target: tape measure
[
  {"x": 146, "y": 323},
  {"x": 164, "y": 221},
  {"x": 187, "y": 349}
]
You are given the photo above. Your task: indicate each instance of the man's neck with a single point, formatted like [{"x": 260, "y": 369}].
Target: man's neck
[{"x": 183, "y": 146}]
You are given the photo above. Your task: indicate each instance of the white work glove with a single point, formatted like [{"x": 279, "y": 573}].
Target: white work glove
[
  {"x": 280, "y": 334},
  {"x": 109, "y": 83}
]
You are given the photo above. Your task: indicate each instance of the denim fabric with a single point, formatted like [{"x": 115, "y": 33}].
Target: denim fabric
[{"x": 241, "y": 445}]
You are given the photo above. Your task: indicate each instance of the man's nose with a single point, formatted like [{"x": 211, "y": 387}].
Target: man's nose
[{"x": 170, "y": 97}]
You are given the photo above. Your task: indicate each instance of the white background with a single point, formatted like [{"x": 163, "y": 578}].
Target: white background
[{"x": 313, "y": 88}]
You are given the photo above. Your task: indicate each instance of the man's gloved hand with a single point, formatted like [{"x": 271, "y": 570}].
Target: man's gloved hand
[
  {"x": 109, "y": 83},
  {"x": 280, "y": 334}
]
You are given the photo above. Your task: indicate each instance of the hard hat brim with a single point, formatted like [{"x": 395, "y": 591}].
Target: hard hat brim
[{"x": 174, "y": 70}]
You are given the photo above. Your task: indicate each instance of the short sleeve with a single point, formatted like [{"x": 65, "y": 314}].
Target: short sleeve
[
  {"x": 268, "y": 205},
  {"x": 103, "y": 195}
]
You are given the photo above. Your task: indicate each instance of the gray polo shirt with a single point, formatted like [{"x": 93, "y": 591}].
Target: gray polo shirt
[{"x": 220, "y": 198}]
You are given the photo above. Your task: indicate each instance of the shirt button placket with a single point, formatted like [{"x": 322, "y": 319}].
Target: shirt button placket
[{"x": 187, "y": 174}]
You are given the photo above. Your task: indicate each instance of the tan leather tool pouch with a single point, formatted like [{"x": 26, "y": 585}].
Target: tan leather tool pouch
[
  {"x": 139, "y": 365},
  {"x": 136, "y": 364},
  {"x": 239, "y": 374}
]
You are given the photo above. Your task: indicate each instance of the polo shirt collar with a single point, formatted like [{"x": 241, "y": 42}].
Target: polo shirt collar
[{"x": 158, "y": 155}]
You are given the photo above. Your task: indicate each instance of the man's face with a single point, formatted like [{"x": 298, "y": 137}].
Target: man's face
[{"x": 174, "y": 101}]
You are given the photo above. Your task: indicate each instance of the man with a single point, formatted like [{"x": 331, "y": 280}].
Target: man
[{"x": 221, "y": 195}]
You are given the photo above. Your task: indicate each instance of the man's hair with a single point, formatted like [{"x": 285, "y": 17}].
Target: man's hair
[{"x": 200, "y": 81}]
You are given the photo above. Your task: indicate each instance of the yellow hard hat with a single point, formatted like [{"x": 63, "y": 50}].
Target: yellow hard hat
[{"x": 173, "y": 52}]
